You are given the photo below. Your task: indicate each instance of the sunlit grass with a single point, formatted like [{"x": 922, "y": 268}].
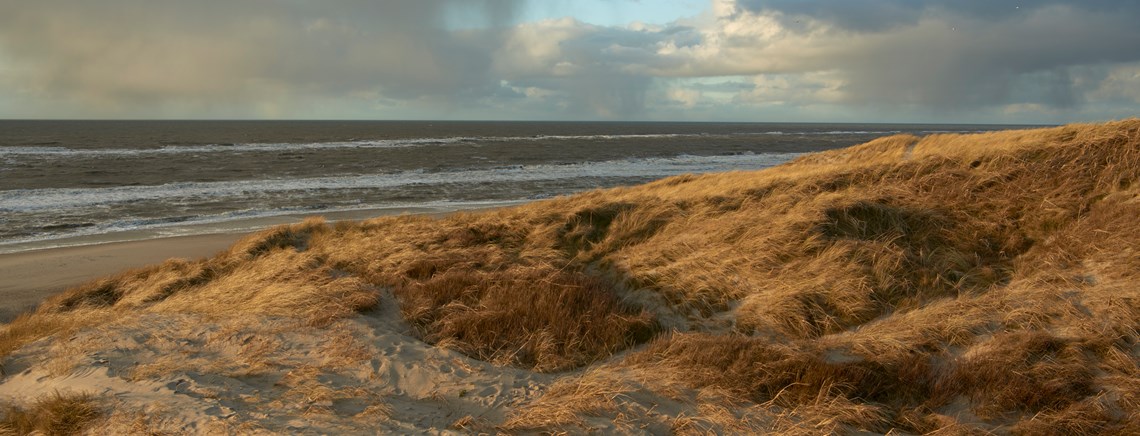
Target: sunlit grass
[{"x": 961, "y": 283}]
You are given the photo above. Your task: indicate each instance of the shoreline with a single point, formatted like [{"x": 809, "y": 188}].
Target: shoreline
[
  {"x": 243, "y": 225},
  {"x": 30, "y": 275}
]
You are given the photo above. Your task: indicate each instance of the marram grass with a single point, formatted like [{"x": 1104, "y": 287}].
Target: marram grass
[{"x": 952, "y": 283}]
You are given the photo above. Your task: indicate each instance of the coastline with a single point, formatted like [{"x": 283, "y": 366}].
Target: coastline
[
  {"x": 31, "y": 276},
  {"x": 37, "y": 271},
  {"x": 811, "y": 298},
  {"x": 243, "y": 225}
]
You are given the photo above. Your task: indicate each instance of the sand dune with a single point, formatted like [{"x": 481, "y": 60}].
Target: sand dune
[
  {"x": 31, "y": 276},
  {"x": 951, "y": 283}
]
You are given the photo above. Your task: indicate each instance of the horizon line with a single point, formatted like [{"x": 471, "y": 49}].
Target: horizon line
[{"x": 524, "y": 121}]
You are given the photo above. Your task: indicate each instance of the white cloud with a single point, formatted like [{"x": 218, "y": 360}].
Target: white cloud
[
  {"x": 687, "y": 98},
  {"x": 798, "y": 89},
  {"x": 1121, "y": 84},
  {"x": 535, "y": 49}
]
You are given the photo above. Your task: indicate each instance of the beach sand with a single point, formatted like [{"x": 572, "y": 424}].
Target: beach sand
[
  {"x": 27, "y": 277},
  {"x": 31, "y": 276},
  {"x": 382, "y": 374}
]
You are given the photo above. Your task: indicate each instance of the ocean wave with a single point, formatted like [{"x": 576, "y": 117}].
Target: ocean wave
[
  {"x": 228, "y": 148},
  {"x": 826, "y": 132},
  {"x": 212, "y": 223},
  {"x": 53, "y": 149},
  {"x": 59, "y": 151},
  {"x": 32, "y": 200}
]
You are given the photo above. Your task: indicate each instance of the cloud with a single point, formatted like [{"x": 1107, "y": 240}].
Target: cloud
[
  {"x": 952, "y": 55},
  {"x": 875, "y": 59},
  {"x": 597, "y": 71},
  {"x": 130, "y": 54},
  {"x": 939, "y": 57},
  {"x": 880, "y": 15}
]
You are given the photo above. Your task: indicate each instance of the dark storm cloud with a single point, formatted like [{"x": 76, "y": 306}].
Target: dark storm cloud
[
  {"x": 878, "y": 15},
  {"x": 136, "y": 53},
  {"x": 963, "y": 54},
  {"x": 595, "y": 71}
]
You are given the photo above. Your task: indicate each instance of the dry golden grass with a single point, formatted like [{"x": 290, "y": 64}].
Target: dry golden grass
[
  {"x": 568, "y": 320},
  {"x": 954, "y": 283},
  {"x": 944, "y": 284},
  {"x": 53, "y": 414},
  {"x": 268, "y": 273},
  {"x": 568, "y": 400}
]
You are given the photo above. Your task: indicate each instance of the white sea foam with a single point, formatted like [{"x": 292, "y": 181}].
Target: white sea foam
[
  {"x": 286, "y": 147},
  {"x": 76, "y": 200},
  {"x": 53, "y": 151},
  {"x": 228, "y": 148},
  {"x": 241, "y": 221},
  {"x": 828, "y": 132},
  {"x": 31, "y": 200}
]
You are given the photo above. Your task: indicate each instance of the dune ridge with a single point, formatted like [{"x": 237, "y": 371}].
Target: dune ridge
[{"x": 950, "y": 284}]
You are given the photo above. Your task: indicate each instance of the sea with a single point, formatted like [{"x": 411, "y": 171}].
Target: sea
[{"x": 66, "y": 183}]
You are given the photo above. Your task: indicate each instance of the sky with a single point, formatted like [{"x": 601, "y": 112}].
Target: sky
[{"x": 950, "y": 61}]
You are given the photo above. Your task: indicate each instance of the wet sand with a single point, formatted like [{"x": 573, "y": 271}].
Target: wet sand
[{"x": 26, "y": 278}]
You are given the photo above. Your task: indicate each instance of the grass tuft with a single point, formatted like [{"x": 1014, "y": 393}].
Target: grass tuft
[
  {"x": 536, "y": 318},
  {"x": 1026, "y": 371},
  {"x": 53, "y": 414}
]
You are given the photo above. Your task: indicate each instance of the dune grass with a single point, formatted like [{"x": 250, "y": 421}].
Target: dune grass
[
  {"x": 958, "y": 283},
  {"x": 570, "y": 319},
  {"x": 54, "y": 414}
]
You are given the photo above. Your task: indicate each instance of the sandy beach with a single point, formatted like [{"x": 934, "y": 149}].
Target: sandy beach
[{"x": 30, "y": 276}]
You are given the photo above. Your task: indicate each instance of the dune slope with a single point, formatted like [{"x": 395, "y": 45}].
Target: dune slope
[{"x": 950, "y": 283}]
